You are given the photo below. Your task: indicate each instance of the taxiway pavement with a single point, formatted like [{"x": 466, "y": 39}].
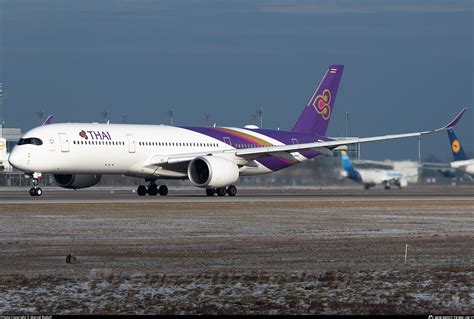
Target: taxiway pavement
[{"x": 176, "y": 195}]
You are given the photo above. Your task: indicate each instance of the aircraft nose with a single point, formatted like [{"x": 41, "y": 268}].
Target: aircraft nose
[{"x": 15, "y": 159}]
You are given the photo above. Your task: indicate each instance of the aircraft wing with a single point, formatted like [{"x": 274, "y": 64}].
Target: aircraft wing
[
  {"x": 285, "y": 150},
  {"x": 252, "y": 153}
]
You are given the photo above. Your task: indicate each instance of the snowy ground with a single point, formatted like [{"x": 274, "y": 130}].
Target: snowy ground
[
  {"x": 228, "y": 258},
  {"x": 365, "y": 292}
]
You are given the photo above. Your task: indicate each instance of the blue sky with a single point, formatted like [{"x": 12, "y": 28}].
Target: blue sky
[{"x": 409, "y": 64}]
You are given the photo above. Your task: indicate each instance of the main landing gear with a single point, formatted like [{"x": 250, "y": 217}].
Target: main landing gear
[
  {"x": 231, "y": 190},
  {"x": 35, "y": 179},
  {"x": 152, "y": 190}
]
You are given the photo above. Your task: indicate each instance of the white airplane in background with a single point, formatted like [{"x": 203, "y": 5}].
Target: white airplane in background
[
  {"x": 78, "y": 154},
  {"x": 461, "y": 165},
  {"x": 372, "y": 177},
  {"x": 461, "y": 161}
]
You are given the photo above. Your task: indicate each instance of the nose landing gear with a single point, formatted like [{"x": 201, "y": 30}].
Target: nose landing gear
[
  {"x": 36, "y": 191},
  {"x": 35, "y": 179}
]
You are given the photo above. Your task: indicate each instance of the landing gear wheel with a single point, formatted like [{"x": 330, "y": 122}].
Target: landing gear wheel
[
  {"x": 35, "y": 180},
  {"x": 231, "y": 190},
  {"x": 141, "y": 190},
  {"x": 163, "y": 190},
  {"x": 210, "y": 191},
  {"x": 36, "y": 191},
  {"x": 221, "y": 191},
  {"x": 152, "y": 190}
]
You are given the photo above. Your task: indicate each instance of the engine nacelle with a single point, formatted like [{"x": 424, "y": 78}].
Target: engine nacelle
[
  {"x": 212, "y": 172},
  {"x": 76, "y": 181}
]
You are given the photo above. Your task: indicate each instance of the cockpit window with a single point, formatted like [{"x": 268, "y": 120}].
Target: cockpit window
[{"x": 30, "y": 140}]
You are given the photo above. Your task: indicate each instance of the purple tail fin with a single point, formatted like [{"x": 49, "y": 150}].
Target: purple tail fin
[{"x": 316, "y": 115}]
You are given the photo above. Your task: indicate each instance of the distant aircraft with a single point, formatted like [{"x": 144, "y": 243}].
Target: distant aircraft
[
  {"x": 461, "y": 161},
  {"x": 459, "y": 167},
  {"x": 213, "y": 158},
  {"x": 371, "y": 177}
]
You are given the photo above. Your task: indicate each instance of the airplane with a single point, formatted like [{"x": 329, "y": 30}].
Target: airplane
[
  {"x": 213, "y": 158},
  {"x": 372, "y": 177},
  {"x": 461, "y": 164},
  {"x": 461, "y": 161}
]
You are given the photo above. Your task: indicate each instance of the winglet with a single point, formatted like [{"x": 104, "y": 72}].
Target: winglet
[
  {"x": 48, "y": 120},
  {"x": 455, "y": 120}
]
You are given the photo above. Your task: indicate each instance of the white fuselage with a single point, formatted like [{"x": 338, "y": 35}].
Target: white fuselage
[
  {"x": 377, "y": 176},
  {"x": 115, "y": 149},
  {"x": 466, "y": 166}
]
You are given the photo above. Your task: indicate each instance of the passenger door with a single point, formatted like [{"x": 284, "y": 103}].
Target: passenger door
[
  {"x": 131, "y": 144},
  {"x": 64, "y": 142}
]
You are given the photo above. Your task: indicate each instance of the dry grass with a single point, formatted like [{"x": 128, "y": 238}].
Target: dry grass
[{"x": 323, "y": 257}]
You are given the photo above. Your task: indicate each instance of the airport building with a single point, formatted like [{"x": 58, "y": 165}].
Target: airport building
[
  {"x": 11, "y": 135},
  {"x": 8, "y": 139}
]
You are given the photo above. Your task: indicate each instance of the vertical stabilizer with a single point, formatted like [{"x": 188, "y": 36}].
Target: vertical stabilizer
[
  {"x": 351, "y": 172},
  {"x": 456, "y": 147},
  {"x": 316, "y": 115}
]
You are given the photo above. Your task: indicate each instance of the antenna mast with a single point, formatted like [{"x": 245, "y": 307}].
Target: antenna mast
[
  {"x": 207, "y": 116},
  {"x": 2, "y": 121},
  {"x": 105, "y": 115},
  {"x": 171, "y": 116}
]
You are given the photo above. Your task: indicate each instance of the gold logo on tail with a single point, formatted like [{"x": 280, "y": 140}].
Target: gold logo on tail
[
  {"x": 456, "y": 146},
  {"x": 321, "y": 104}
]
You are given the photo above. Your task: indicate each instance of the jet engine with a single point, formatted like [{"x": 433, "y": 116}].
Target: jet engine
[
  {"x": 75, "y": 181},
  {"x": 212, "y": 172}
]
